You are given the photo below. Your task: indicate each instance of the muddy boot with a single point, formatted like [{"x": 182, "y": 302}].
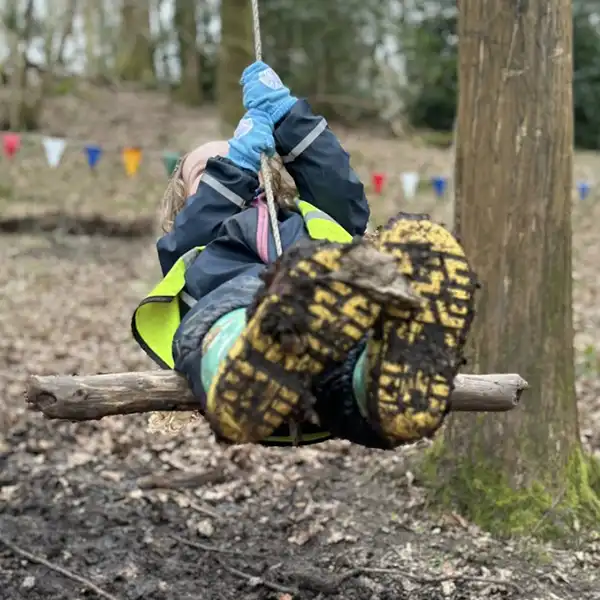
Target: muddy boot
[
  {"x": 404, "y": 379},
  {"x": 318, "y": 301}
]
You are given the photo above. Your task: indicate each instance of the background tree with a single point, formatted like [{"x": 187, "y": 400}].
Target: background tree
[
  {"x": 185, "y": 22},
  {"x": 135, "y": 60},
  {"x": 378, "y": 63},
  {"x": 236, "y": 52},
  {"x": 23, "y": 28},
  {"x": 515, "y": 122},
  {"x": 586, "y": 83},
  {"x": 429, "y": 43}
]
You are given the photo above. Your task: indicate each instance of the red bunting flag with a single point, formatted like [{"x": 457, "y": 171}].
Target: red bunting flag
[
  {"x": 378, "y": 181},
  {"x": 11, "y": 142}
]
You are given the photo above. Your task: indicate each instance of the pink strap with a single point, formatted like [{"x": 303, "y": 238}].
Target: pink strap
[{"x": 262, "y": 228}]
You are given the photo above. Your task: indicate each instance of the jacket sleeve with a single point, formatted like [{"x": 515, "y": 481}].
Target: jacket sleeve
[
  {"x": 224, "y": 190},
  {"x": 320, "y": 167}
]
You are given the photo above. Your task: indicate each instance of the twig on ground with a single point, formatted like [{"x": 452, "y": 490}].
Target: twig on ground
[
  {"x": 174, "y": 481},
  {"x": 215, "y": 549},
  {"x": 58, "y": 569},
  {"x": 256, "y": 580},
  {"x": 440, "y": 579},
  {"x": 318, "y": 583},
  {"x": 205, "y": 510},
  {"x": 322, "y": 583}
]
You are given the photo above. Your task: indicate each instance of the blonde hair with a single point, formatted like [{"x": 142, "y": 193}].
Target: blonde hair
[{"x": 173, "y": 201}]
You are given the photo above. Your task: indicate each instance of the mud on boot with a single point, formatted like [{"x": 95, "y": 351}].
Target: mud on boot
[
  {"x": 414, "y": 355},
  {"x": 309, "y": 314}
]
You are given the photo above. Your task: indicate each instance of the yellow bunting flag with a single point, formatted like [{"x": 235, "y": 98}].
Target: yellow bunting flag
[{"x": 131, "y": 159}]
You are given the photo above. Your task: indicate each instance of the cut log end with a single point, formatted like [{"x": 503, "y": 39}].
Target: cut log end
[
  {"x": 487, "y": 393},
  {"x": 93, "y": 397}
]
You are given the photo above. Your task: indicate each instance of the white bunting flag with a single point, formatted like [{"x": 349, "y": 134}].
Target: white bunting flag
[
  {"x": 54, "y": 150},
  {"x": 410, "y": 183}
]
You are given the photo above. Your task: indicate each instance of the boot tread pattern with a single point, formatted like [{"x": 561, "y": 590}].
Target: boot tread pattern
[
  {"x": 303, "y": 323},
  {"x": 414, "y": 356}
]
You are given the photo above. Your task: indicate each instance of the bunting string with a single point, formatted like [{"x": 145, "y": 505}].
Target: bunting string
[
  {"x": 54, "y": 148},
  {"x": 132, "y": 156}
]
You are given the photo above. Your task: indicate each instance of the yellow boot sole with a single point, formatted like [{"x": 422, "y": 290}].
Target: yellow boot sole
[
  {"x": 414, "y": 355},
  {"x": 305, "y": 321}
]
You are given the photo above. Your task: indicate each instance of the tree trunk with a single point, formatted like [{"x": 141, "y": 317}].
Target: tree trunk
[
  {"x": 235, "y": 54},
  {"x": 92, "y": 29},
  {"x": 22, "y": 107},
  {"x": 136, "y": 55},
  {"x": 65, "y": 24},
  {"x": 185, "y": 15},
  {"x": 513, "y": 185}
]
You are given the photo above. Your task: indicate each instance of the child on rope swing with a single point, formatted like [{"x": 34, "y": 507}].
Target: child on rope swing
[{"x": 276, "y": 350}]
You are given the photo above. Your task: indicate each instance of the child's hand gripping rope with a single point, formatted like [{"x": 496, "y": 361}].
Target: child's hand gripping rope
[{"x": 252, "y": 138}]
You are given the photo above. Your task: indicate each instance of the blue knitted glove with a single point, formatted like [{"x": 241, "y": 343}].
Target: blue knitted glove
[
  {"x": 263, "y": 89},
  {"x": 252, "y": 137}
]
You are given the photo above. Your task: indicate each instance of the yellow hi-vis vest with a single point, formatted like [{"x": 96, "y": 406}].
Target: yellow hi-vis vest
[{"x": 158, "y": 316}]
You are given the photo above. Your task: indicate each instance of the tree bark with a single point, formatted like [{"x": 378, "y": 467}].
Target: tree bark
[
  {"x": 92, "y": 397},
  {"x": 92, "y": 32},
  {"x": 65, "y": 31},
  {"x": 513, "y": 185},
  {"x": 20, "y": 111},
  {"x": 190, "y": 87},
  {"x": 235, "y": 54},
  {"x": 136, "y": 52}
]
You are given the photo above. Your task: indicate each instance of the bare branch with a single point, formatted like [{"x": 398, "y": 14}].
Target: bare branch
[{"x": 58, "y": 569}]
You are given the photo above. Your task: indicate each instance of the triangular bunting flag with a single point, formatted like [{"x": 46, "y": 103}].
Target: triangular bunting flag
[
  {"x": 170, "y": 160},
  {"x": 410, "y": 183},
  {"x": 131, "y": 159},
  {"x": 439, "y": 185},
  {"x": 11, "y": 142},
  {"x": 583, "y": 187},
  {"x": 54, "y": 148},
  {"x": 93, "y": 154}
]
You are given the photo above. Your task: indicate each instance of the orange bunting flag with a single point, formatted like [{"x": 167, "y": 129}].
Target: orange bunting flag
[{"x": 132, "y": 157}]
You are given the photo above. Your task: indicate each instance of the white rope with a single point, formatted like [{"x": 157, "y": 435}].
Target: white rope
[{"x": 264, "y": 162}]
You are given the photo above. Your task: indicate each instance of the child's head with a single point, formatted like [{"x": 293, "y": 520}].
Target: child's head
[
  {"x": 194, "y": 163},
  {"x": 186, "y": 177}
]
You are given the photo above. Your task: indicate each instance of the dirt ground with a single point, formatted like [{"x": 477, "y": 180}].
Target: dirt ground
[{"x": 108, "y": 510}]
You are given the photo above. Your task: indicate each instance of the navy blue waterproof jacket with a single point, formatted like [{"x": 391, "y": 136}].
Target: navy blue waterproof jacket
[{"x": 223, "y": 217}]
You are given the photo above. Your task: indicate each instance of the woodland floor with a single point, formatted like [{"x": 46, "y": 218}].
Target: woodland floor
[{"x": 178, "y": 518}]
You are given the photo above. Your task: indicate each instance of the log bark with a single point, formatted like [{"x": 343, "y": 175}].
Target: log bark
[{"x": 93, "y": 397}]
